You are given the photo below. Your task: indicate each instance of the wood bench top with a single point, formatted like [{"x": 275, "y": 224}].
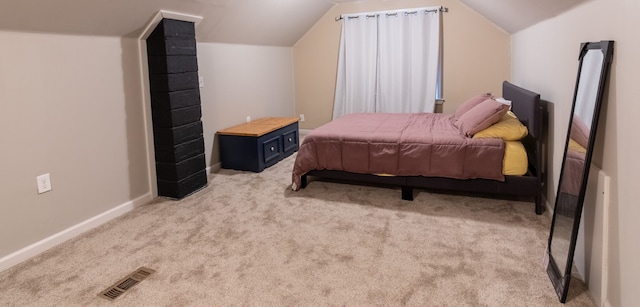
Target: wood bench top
[{"x": 259, "y": 127}]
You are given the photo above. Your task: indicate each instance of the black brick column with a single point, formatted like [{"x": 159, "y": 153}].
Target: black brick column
[{"x": 175, "y": 106}]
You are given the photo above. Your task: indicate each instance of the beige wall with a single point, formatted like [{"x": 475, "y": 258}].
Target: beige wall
[
  {"x": 71, "y": 107},
  {"x": 476, "y": 57},
  {"x": 545, "y": 60},
  {"x": 241, "y": 81}
]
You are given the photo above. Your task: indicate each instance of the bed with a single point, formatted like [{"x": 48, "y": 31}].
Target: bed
[{"x": 431, "y": 151}]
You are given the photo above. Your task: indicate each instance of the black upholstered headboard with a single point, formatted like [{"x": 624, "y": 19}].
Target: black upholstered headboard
[{"x": 526, "y": 105}]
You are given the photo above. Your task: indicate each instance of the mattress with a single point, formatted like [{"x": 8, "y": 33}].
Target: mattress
[{"x": 405, "y": 144}]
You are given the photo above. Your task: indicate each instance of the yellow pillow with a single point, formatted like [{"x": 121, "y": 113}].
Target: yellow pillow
[
  {"x": 573, "y": 145},
  {"x": 509, "y": 128}
]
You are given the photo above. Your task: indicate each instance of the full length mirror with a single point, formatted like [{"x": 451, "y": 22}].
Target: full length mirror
[{"x": 593, "y": 71}]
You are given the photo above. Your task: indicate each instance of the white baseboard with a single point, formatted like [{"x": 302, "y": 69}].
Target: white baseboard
[
  {"x": 549, "y": 208},
  {"x": 71, "y": 232},
  {"x": 214, "y": 168},
  {"x": 305, "y": 131}
]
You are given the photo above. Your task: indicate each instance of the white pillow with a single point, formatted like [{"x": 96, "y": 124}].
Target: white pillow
[{"x": 503, "y": 101}]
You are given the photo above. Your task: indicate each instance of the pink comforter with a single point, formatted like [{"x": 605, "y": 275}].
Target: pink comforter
[
  {"x": 411, "y": 144},
  {"x": 572, "y": 172}
]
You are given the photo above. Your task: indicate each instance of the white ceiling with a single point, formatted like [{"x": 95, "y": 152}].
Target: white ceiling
[
  {"x": 255, "y": 22},
  {"x": 515, "y": 15}
]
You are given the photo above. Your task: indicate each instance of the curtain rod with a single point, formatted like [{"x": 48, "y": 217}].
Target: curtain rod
[{"x": 392, "y": 13}]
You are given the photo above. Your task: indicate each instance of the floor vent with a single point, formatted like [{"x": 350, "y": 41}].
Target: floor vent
[{"x": 122, "y": 286}]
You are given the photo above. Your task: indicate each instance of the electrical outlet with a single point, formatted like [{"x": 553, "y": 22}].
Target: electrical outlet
[
  {"x": 248, "y": 119},
  {"x": 44, "y": 183},
  {"x": 301, "y": 117},
  {"x": 200, "y": 81}
]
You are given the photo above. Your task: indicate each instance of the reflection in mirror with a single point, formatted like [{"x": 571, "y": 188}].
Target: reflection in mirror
[{"x": 593, "y": 70}]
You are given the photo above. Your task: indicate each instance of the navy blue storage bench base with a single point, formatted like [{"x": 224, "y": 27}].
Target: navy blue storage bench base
[{"x": 258, "y": 144}]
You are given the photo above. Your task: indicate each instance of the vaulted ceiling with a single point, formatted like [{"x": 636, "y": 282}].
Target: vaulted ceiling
[
  {"x": 515, "y": 15},
  {"x": 255, "y": 22}
]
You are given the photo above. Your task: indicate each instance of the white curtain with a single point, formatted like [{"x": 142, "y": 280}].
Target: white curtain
[
  {"x": 388, "y": 62},
  {"x": 356, "y": 79}
]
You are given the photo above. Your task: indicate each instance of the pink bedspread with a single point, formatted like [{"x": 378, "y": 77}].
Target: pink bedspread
[
  {"x": 572, "y": 172},
  {"x": 412, "y": 144}
]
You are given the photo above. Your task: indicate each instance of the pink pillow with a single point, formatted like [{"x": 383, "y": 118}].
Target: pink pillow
[
  {"x": 579, "y": 131},
  {"x": 481, "y": 117},
  {"x": 470, "y": 103}
]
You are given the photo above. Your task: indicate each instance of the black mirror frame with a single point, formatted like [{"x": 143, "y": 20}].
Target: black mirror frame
[{"x": 560, "y": 280}]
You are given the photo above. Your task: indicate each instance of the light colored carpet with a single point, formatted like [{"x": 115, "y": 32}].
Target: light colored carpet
[{"x": 248, "y": 240}]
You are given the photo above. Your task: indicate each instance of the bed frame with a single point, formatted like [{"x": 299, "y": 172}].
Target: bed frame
[{"x": 531, "y": 112}]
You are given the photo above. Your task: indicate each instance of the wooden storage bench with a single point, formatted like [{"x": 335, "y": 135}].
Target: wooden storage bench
[{"x": 258, "y": 144}]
